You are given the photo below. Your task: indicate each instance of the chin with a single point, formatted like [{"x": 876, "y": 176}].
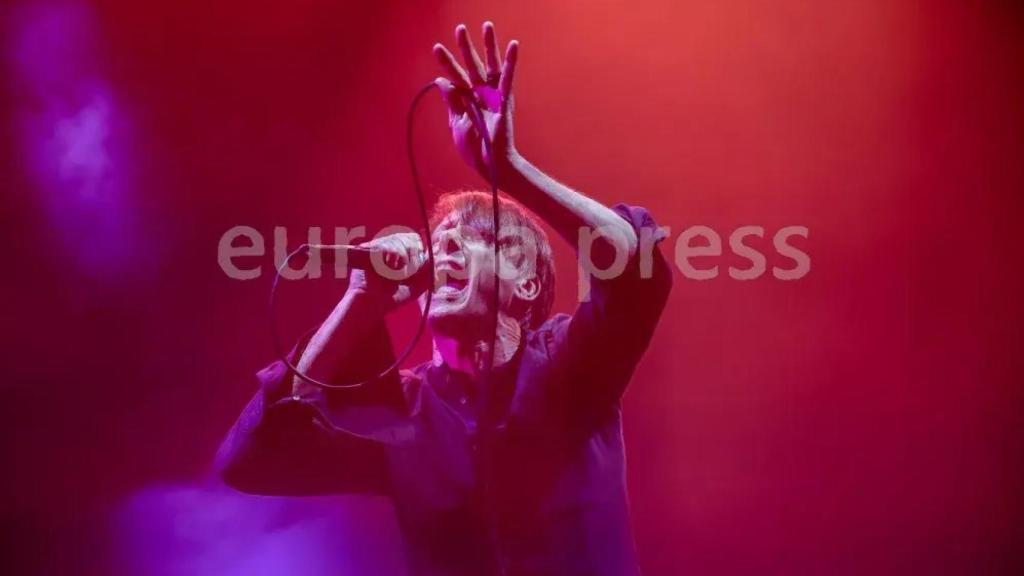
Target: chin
[{"x": 452, "y": 316}]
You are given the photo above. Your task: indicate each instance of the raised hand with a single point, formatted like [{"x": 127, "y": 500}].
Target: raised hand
[{"x": 490, "y": 87}]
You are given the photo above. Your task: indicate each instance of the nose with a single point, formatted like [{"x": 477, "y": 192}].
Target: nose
[{"x": 449, "y": 243}]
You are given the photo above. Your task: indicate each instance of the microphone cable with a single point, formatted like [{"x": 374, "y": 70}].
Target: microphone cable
[{"x": 485, "y": 424}]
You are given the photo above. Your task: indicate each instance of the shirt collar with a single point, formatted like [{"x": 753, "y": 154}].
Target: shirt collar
[{"x": 454, "y": 385}]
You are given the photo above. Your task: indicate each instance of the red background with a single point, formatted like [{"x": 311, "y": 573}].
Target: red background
[{"x": 863, "y": 419}]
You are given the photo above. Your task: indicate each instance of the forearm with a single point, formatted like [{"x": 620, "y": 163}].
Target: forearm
[
  {"x": 278, "y": 448},
  {"x": 337, "y": 342},
  {"x": 563, "y": 208}
]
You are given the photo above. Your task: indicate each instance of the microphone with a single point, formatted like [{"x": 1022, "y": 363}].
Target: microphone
[{"x": 358, "y": 257}]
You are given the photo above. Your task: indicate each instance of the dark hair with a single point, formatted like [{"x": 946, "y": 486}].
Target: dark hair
[{"x": 474, "y": 209}]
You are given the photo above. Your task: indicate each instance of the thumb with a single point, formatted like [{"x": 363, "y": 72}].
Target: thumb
[{"x": 451, "y": 96}]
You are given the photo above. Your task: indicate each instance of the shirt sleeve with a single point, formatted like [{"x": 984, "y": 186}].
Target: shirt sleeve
[
  {"x": 597, "y": 348},
  {"x": 287, "y": 445}
]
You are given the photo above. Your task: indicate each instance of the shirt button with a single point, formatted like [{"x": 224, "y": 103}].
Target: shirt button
[
  {"x": 463, "y": 400},
  {"x": 296, "y": 397}
]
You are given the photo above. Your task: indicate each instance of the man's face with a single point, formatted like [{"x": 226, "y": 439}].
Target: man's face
[{"x": 464, "y": 284}]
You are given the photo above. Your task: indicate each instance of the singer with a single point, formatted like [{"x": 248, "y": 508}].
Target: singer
[{"x": 516, "y": 471}]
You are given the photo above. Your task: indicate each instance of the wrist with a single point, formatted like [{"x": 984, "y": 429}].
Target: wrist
[
  {"x": 510, "y": 168},
  {"x": 514, "y": 160}
]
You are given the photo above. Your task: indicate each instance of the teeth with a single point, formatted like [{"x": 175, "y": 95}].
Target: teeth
[{"x": 452, "y": 282}]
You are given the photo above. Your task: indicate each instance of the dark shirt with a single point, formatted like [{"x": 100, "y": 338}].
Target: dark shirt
[{"x": 532, "y": 483}]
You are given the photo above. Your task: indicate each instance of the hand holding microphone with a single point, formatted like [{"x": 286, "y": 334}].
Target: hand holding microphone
[{"x": 391, "y": 269}]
